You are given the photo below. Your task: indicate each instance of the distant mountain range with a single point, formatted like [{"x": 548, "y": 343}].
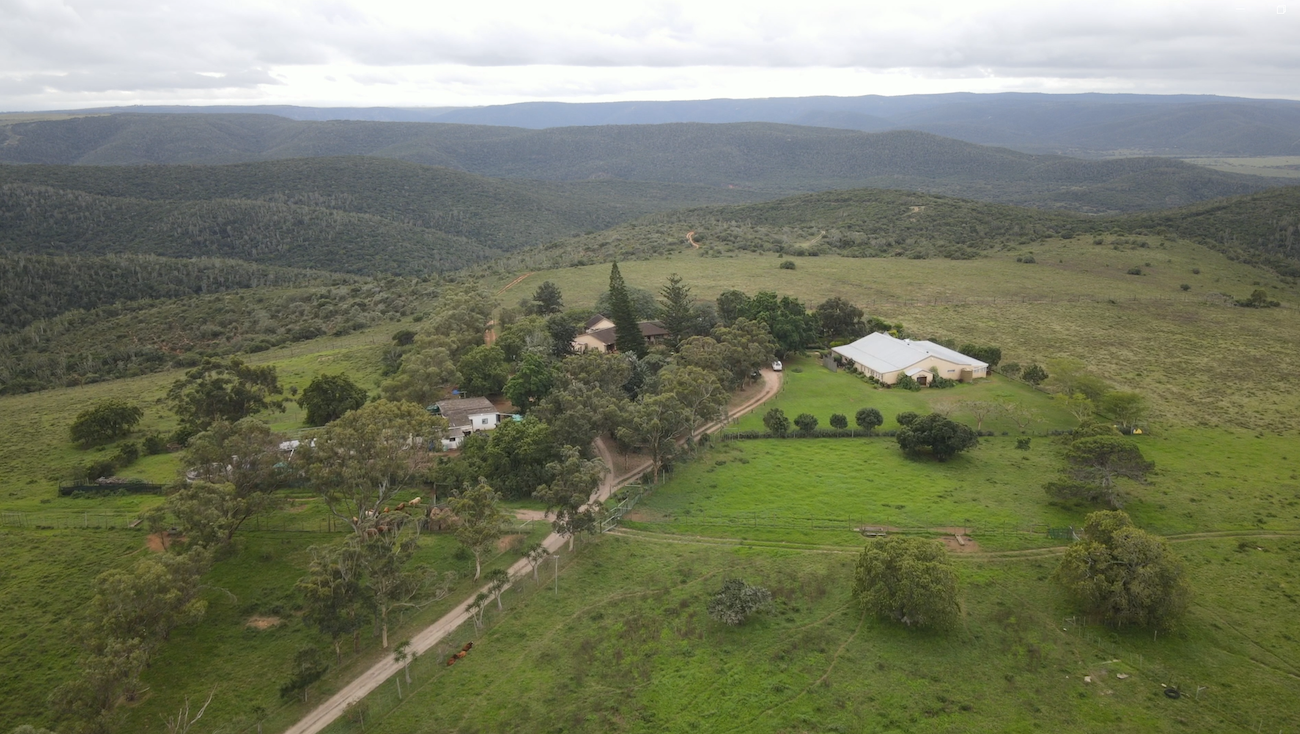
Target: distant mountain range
[
  {"x": 766, "y": 159},
  {"x": 1087, "y": 125}
]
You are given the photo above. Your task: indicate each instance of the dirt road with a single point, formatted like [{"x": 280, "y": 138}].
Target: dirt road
[{"x": 424, "y": 640}]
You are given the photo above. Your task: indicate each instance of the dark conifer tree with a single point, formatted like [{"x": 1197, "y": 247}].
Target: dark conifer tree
[{"x": 628, "y": 338}]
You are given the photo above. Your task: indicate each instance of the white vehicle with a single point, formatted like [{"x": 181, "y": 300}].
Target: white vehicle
[{"x": 776, "y": 366}]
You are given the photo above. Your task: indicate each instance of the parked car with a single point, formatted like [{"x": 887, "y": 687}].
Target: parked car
[{"x": 776, "y": 366}]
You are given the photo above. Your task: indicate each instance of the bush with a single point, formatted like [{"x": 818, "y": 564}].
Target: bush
[
  {"x": 776, "y": 422},
  {"x": 787, "y": 265},
  {"x": 906, "y": 418},
  {"x": 868, "y": 419},
  {"x": 1034, "y": 374},
  {"x": 1021, "y": 443},
  {"x": 737, "y": 601},
  {"x": 127, "y": 454},
  {"x": 1135, "y": 271},
  {"x": 907, "y": 383},
  {"x": 807, "y": 422},
  {"x": 1185, "y": 287},
  {"x": 153, "y": 443},
  {"x": 839, "y": 421}
]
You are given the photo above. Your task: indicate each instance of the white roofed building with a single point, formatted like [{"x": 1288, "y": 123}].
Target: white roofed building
[{"x": 885, "y": 358}]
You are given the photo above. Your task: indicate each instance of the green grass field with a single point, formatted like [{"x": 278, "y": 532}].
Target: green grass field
[
  {"x": 626, "y": 646},
  {"x": 811, "y": 388}
]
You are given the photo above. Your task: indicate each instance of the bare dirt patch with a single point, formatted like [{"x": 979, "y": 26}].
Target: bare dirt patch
[
  {"x": 530, "y": 515},
  {"x": 509, "y": 541},
  {"x": 157, "y": 543},
  {"x": 262, "y": 623},
  {"x": 959, "y": 542}
]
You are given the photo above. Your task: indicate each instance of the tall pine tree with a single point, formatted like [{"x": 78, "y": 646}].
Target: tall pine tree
[
  {"x": 676, "y": 311},
  {"x": 628, "y": 338}
]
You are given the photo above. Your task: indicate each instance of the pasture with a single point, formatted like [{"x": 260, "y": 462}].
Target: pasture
[{"x": 626, "y": 646}]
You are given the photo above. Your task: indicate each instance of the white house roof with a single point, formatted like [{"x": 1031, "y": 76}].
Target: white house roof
[{"x": 883, "y": 353}]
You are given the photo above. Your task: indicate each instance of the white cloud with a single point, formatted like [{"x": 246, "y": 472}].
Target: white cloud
[{"x": 384, "y": 52}]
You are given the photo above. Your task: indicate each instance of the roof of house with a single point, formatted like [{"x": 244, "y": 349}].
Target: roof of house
[
  {"x": 649, "y": 329},
  {"x": 883, "y": 353},
  {"x": 458, "y": 411},
  {"x": 594, "y": 320}
]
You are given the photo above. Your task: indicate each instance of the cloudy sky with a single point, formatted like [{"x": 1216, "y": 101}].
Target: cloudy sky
[{"x": 61, "y": 54}]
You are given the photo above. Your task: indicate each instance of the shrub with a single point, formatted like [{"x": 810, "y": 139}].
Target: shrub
[
  {"x": 154, "y": 443},
  {"x": 869, "y": 419},
  {"x": 907, "y": 383},
  {"x": 1135, "y": 271},
  {"x": 127, "y": 454},
  {"x": 1010, "y": 369},
  {"x": 839, "y": 421},
  {"x": 906, "y": 418},
  {"x": 787, "y": 265},
  {"x": 1185, "y": 287},
  {"x": 737, "y": 601},
  {"x": 776, "y": 422},
  {"x": 1196, "y": 271},
  {"x": 1034, "y": 374},
  {"x": 807, "y": 422},
  {"x": 1021, "y": 443}
]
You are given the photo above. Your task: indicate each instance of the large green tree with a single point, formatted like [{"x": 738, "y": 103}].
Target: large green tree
[
  {"x": 940, "y": 436},
  {"x": 483, "y": 370},
  {"x": 1124, "y": 575},
  {"x": 907, "y": 580},
  {"x": 105, "y": 421},
  {"x": 628, "y": 338},
  {"x": 358, "y": 463},
  {"x": 530, "y": 383},
  {"x": 329, "y": 396},
  {"x": 677, "y": 311},
  {"x": 653, "y": 424},
  {"x": 568, "y": 495},
  {"x": 423, "y": 377},
  {"x": 547, "y": 299},
  {"x": 223, "y": 390},
  {"x": 481, "y": 516},
  {"x": 839, "y": 319}
]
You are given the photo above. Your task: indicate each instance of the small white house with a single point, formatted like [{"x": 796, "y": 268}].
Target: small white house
[
  {"x": 465, "y": 416},
  {"x": 885, "y": 358}
]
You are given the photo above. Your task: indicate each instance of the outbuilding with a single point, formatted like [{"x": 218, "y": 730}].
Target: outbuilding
[
  {"x": 465, "y": 416},
  {"x": 886, "y": 358}
]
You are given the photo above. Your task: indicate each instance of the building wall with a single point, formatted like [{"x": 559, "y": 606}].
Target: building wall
[
  {"x": 950, "y": 370},
  {"x": 588, "y": 343}
]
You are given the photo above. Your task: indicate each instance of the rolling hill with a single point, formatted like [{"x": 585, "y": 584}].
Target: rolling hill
[
  {"x": 1073, "y": 124},
  {"x": 357, "y": 215},
  {"x": 768, "y": 158}
]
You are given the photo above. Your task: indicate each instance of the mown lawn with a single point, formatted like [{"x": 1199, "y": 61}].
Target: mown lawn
[
  {"x": 627, "y": 646},
  {"x": 820, "y": 490},
  {"x": 810, "y": 387}
]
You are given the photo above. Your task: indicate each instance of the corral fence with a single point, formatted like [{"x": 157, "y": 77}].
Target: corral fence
[
  {"x": 632, "y": 494},
  {"x": 69, "y": 520}
]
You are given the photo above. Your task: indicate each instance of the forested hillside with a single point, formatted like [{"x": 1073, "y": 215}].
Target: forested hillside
[
  {"x": 41, "y": 286},
  {"x": 364, "y": 215},
  {"x": 39, "y": 219},
  {"x": 1260, "y": 228},
  {"x": 761, "y": 156},
  {"x": 146, "y": 336}
]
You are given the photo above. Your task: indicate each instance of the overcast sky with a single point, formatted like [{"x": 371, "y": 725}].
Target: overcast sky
[{"x": 83, "y": 53}]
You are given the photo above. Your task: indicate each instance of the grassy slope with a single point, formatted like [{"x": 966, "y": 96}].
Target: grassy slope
[
  {"x": 1200, "y": 363},
  {"x": 626, "y": 646}
]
